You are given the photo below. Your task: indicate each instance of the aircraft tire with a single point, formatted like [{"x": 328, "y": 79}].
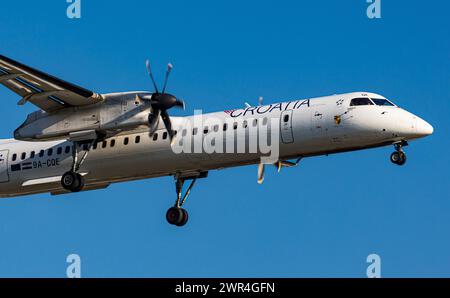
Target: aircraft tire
[
  {"x": 185, "y": 218},
  {"x": 80, "y": 183},
  {"x": 398, "y": 158},
  {"x": 176, "y": 216},
  {"x": 72, "y": 181}
]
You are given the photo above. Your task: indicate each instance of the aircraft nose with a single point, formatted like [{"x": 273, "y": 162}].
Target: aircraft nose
[{"x": 423, "y": 128}]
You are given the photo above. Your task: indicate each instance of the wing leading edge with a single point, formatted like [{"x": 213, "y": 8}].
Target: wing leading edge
[{"x": 43, "y": 90}]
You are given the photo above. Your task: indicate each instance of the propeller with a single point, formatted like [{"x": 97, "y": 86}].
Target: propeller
[{"x": 161, "y": 103}]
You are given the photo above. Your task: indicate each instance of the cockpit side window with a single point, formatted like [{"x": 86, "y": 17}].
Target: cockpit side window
[
  {"x": 361, "y": 101},
  {"x": 382, "y": 102}
]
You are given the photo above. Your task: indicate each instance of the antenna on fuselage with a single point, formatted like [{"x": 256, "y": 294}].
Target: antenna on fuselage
[{"x": 260, "y": 101}]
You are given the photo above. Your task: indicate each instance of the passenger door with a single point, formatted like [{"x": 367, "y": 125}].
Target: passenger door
[
  {"x": 287, "y": 135},
  {"x": 4, "y": 177}
]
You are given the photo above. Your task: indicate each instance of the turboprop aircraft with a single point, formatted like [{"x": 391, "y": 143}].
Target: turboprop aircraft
[{"x": 80, "y": 140}]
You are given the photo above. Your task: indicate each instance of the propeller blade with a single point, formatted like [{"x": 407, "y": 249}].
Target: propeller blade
[
  {"x": 149, "y": 70},
  {"x": 153, "y": 120},
  {"x": 168, "y": 124},
  {"x": 260, "y": 173},
  {"x": 180, "y": 103},
  {"x": 169, "y": 69}
]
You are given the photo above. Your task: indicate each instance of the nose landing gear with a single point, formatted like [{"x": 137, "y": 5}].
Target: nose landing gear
[{"x": 398, "y": 157}]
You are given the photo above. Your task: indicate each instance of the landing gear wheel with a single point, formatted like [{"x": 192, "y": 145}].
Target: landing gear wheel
[
  {"x": 185, "y": 218},
  {"x": 398, "y": 158},
  {"x": 72, "y": 181},
  {"x": 177, "y": 216}
]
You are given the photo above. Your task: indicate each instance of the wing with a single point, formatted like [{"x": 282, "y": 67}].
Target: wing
[{"x": 43, "y": 90}]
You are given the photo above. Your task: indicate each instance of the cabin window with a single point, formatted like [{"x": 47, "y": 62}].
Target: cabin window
[
  {"x": 164, "y": 135},
  {"x": 104, "y": 144},
  {"x": 113, "y": 143},
  {"x": 382, "y": 102},
  {"x": 155, "y": 136},
  {"x": 67, "y": 150},
  {"x": 14, "y": 157},
  {"x": 41, "y": 153},
  {"x": 59, "y": 150},
  {"x": 235, "y": 125},
  {"x": 50, "y": 152},
  {"x": 225, "y": 127},
  {"x": 286, "y": 118},
  {"x": 265, "y": 120},
  {"x": 126, "y": 140},
  {"x": 244, "y": 124},
  {"x": 137, "y": 140},
  {"x": 22, "y": 157},
  {"x": 361, "y": 101},
  {"x": 32, "y": 154},
  {"x": 205, "y": 130},
  {"x": 184, "y": 132},
  {"x": 194, "y": 131},
  {"x": 255, "y": 122},
  {"x": 216, "y": 128}
]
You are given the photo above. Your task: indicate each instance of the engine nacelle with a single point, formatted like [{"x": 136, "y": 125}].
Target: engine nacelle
[{"x": 119, "y": 112}]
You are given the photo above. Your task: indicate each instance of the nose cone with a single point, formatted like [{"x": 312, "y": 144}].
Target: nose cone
[{"x": 423, "y": 128}]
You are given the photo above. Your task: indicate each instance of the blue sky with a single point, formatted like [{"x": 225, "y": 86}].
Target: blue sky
[{"x": 321, "y": 219}]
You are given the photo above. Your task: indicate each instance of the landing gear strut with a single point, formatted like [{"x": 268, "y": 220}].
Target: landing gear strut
[
  {"x": 71, "y": 180},
  {"x": 176, "y": 215},
  {"x": 398, "y": 157}
]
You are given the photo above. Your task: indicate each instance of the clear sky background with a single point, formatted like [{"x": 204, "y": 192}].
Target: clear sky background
[{"x": 321, "y": 219}]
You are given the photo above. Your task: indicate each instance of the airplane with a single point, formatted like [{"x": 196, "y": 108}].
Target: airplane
[{"x": 80, "y": 140}]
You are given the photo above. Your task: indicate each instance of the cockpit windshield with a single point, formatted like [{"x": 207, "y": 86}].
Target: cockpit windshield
[
  {"x": 361, "y": 101},
  {"x": 382, "y": 102},
  {"x": 365, "y": 101}
]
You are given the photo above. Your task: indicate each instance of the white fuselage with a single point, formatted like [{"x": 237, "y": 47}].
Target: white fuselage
[{"x": 313, "y": 127}]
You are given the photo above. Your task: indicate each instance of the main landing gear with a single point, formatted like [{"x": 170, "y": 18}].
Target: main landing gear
[
  {"x": 398, "y": 157},
  {"x": 71, "y": 180},
  {"x": 176, "y": 215}
]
